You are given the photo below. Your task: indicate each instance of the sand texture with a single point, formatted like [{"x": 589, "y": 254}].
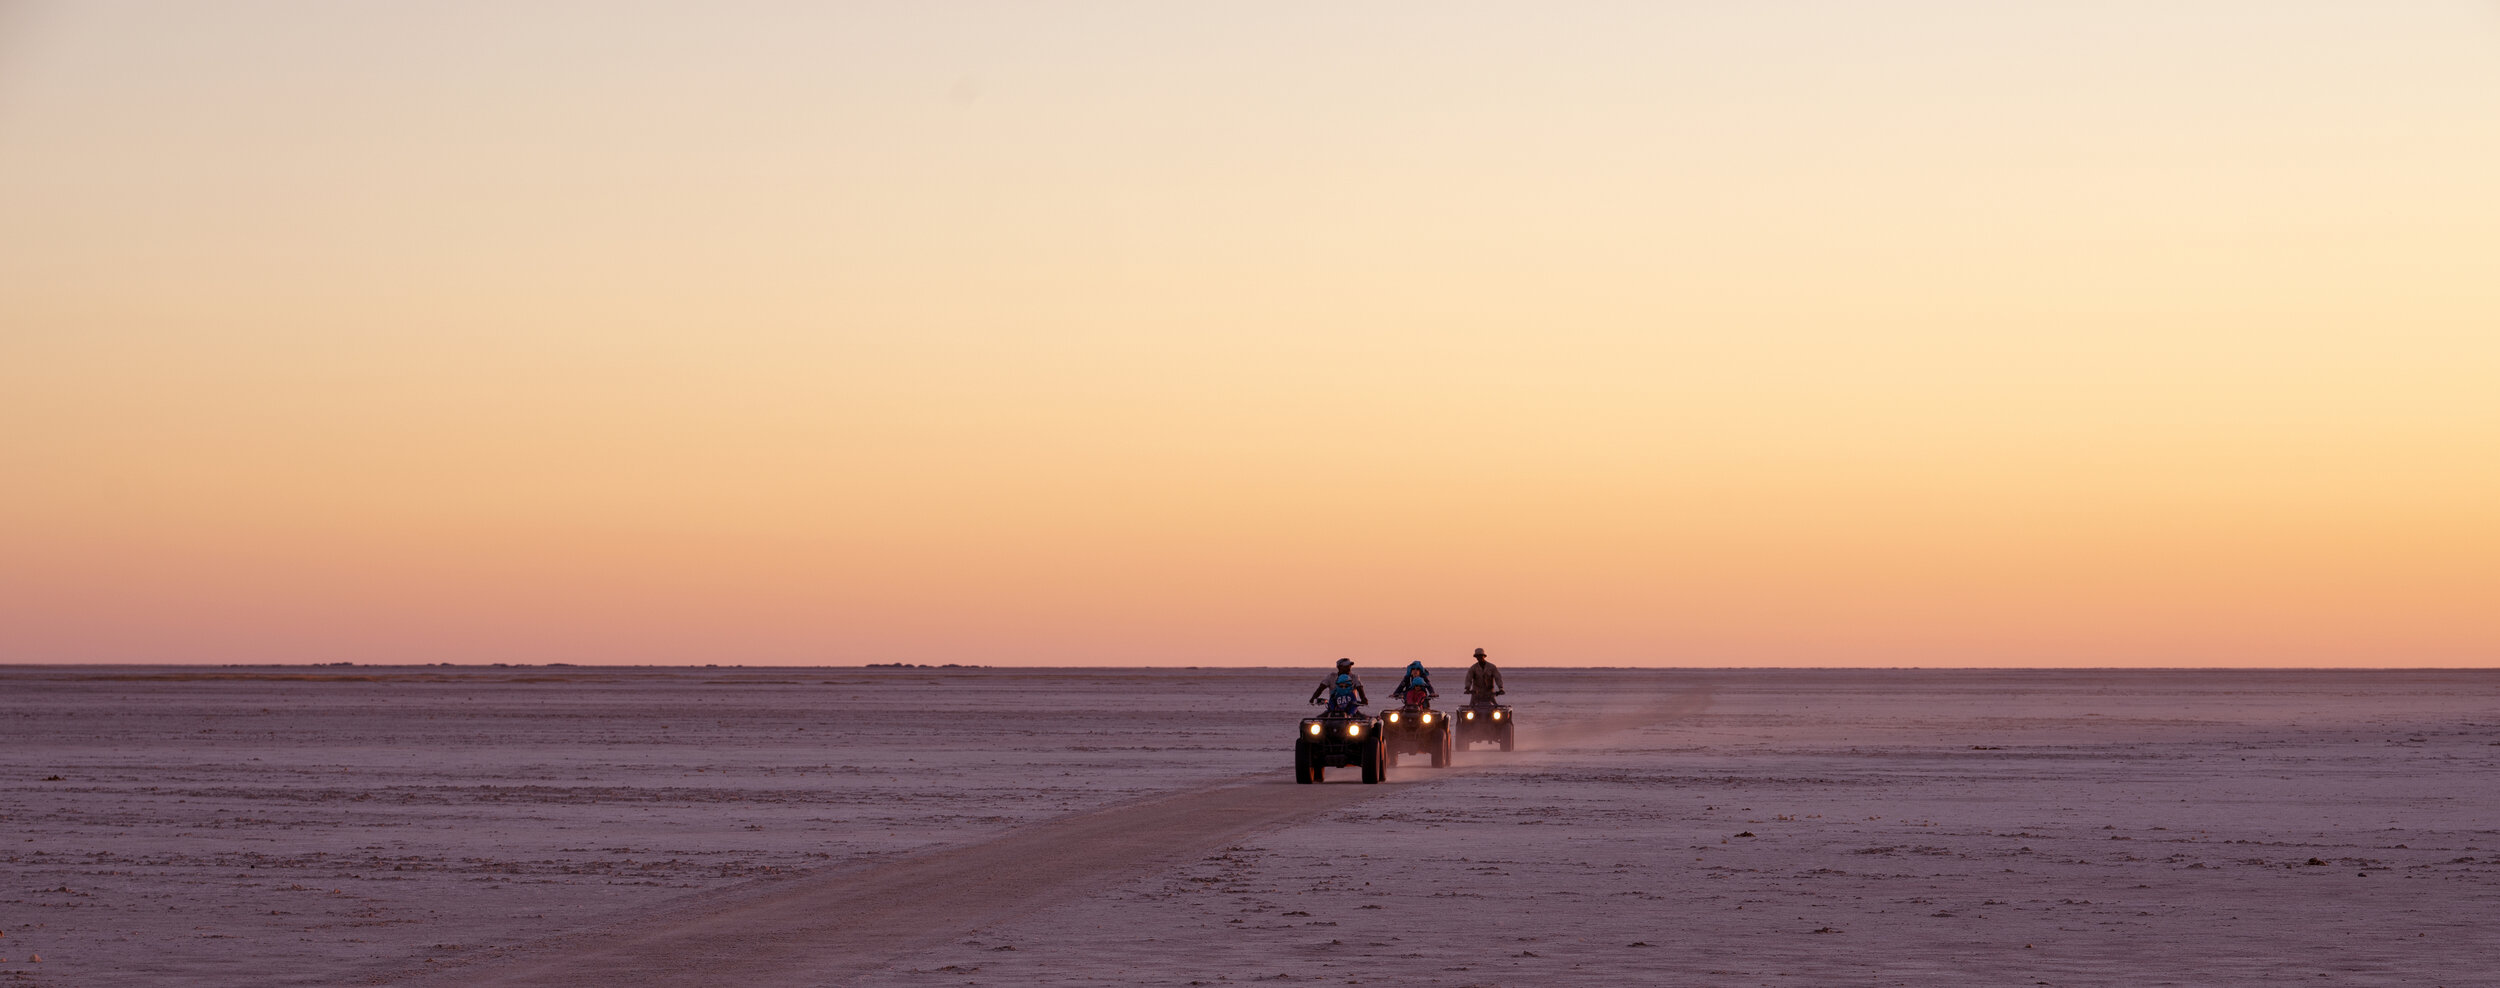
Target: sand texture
[{"x": 577, "y": 826}]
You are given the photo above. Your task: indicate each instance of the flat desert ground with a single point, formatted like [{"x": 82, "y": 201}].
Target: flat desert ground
[{"x": 478, "y": 826}]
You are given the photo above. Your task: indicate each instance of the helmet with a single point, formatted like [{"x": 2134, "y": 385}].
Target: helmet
[
  {"x": 1345, "y": 679},
  {"x": 1480, "y": 653},
  {"x": 1344, "y": 664},
  {"x": 1417, "y": 665}
]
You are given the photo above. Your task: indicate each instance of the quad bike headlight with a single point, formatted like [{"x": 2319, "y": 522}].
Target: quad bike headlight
[
  {"x": 1427, "y": 718},
  {"x": 1354, "y": 730},
  {"x": 1471, "y": 715},
  {"x": 1393, "y": 718},
  {"x": 1497, "y": 715},
  {"x": 1313, "y": 728}
]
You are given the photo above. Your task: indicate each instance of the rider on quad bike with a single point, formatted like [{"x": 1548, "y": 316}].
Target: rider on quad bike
[
  {"x": 1344, "y": 736},
  {"x": 1416, "y": 728},
  {"x": 1485, "y": 718}
]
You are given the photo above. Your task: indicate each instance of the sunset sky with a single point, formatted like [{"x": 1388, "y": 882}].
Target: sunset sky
[{"x": 1784, "y": 333}]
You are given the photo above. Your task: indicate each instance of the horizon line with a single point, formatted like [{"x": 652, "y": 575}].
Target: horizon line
[{"x": 970, "y": 667}]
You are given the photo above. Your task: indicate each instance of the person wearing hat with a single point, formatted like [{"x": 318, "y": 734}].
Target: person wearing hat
[
  {"x": 1484, "y": 682},
  {"x": 1343, "y": 677}
]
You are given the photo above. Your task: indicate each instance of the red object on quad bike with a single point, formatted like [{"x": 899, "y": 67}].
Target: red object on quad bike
[{"x": 1418, "y": 697}]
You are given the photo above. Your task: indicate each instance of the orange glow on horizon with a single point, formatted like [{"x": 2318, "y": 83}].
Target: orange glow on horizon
[{"x": 1944, "y": 335}]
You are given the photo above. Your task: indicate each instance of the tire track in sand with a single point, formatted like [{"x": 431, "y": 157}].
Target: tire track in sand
[{"x": 826, "y": 928}]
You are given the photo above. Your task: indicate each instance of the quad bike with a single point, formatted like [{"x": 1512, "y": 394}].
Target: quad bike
[
  {"x": 1484, "y": 720},
  {"x": 1340, "y": 738},
  {"x": 1416, "y": 728}
]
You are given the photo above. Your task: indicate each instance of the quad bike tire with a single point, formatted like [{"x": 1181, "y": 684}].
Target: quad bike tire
[
  {"x": 1376, "y": 763},
  {"x": 1304, "y": 773},
  {"x": 1506, "y": 735}
]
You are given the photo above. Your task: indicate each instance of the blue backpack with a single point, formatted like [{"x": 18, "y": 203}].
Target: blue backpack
[{"x": 1341, "y": 696}]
